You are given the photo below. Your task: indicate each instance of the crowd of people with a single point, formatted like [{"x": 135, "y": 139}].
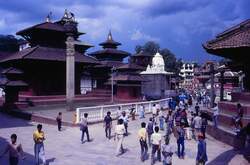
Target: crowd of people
[{"x": 182, "y": 121}]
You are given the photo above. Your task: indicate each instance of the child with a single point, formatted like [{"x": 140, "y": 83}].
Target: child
[
  {"x": 14, "y": 150},
  {"x": 59, "y": 121}
]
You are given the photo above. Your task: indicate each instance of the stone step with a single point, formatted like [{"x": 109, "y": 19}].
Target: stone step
[
  {"x": 225, "y": 120},
  {"x": 231, "y": 107}
]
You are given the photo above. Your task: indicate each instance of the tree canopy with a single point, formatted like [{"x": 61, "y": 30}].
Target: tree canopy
[{"x": 171, "y": 62}]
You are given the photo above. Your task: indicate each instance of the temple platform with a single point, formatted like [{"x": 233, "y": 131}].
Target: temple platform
[
  {"x": 26, "y": 101},
  {"x": 227, "y": 110}
]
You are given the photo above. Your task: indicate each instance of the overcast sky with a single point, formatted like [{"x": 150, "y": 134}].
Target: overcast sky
[{"x": 179, "y": 25}]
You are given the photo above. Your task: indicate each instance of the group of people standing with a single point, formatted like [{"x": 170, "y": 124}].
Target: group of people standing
[{"x": 155, "y": 134}]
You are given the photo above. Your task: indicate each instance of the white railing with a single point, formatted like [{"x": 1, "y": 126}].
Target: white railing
[{"x": 97, "y": 113}]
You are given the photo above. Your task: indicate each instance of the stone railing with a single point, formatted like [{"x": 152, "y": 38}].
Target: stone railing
[{"x": 97, "y": 113}]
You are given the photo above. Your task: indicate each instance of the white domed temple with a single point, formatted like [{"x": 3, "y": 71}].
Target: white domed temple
[
  {"x": 157, "y": 80},
  {"x": 157, "y": 67}
]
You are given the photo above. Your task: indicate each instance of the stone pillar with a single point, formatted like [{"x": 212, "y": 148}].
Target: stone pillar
[
  {"x": 222, "y": 85},
  {"x": 70, "y": 73},
  {"x": 212, "y": 94}
]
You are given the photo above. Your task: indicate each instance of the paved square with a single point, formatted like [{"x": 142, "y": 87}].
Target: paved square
[{"x": 64, "y": 148}]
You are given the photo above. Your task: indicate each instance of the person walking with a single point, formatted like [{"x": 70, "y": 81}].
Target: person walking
[
  {"x": 108, "y": 124},
  {"x": 119, "y": 112},
  {"x": 215, "y": 115},
  {"x": 84, "y": 127},
  {"x": 38, "y": 137},
  {"x": 124, "y": 117},
  {"x": 119, "y": 136},
  {"x": 197, "y": 122},
  {"x": 150, "y": 130},
  {"x": 59, "y": 121},
  {"x": 167, "y": 152},
  {"x": 204, "y": 124},
  {"x": 180, "y": 141},
  {"x": 161, "y": 120},
  {"x": 201, "y": 157},
  {"x": 156, "y": 145},
  {"x": 15, "y": 150},
  {"x": 197, "y": 109},
  {"x": 141, "y": 111},
  {"x": 142, "y": 134},
  {"x": 132, "y": 112},
  {"x": 154, "y": 112}
]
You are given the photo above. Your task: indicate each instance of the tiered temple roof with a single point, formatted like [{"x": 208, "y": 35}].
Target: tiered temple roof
[
  {"x": 110, "y": 51},
  {"x": 47, "y": 41},
  {"x": 47, "y": 54},
  {"x": 233, "y": 43},
  {"x": 129, "y": 72}
]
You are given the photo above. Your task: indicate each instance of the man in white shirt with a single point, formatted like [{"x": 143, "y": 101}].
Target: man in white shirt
[
  {"x": 154, "y": 110},
  {"x": 154, "y": 113},
  {"x": 197, "y": 125},
  {"x": 215, "y": 114},
  {"x": 167, "y": 152},
  {"x": 119, "y": 136},
  {"x": 124, "y": 117},
  {"x": 156, "y": 145}
]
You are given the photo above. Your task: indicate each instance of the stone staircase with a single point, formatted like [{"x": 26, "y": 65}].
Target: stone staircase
[
  {"x": 225, "y": 131},
  {"x": 98, "y": 95}
]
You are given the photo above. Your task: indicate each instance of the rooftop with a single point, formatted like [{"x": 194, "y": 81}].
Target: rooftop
[
  {"x": 235, "y": 40},
  {"x": 48, "y": 54}
]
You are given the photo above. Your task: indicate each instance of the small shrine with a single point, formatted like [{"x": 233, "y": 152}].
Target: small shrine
[{"x": 157, "y": 80}]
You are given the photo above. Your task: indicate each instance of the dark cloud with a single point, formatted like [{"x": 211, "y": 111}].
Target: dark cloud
[
  {"x": 168, "y": 7},
  {"x": 180, "y": 25}
]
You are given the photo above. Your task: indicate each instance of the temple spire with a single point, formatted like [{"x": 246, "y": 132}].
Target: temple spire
[
  {"x": 68, "y": 16},
  {"x": 110, "y": 38},
  {"x": 110, "y": 43},
  {"x": 48, "y": 18}
]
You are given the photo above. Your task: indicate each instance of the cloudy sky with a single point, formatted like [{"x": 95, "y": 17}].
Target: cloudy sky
[{"x": 180, "y": 25}]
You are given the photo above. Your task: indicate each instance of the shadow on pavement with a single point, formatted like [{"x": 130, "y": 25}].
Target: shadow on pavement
[
  {"x": 29, "y": 159},
  {"x": 224, "y": 158},
  {"x": 5, "y": 122}
]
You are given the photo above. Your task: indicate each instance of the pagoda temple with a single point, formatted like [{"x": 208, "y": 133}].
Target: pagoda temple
[
  {"x": 43, "y": 64},
  {"x": 234, "y": 44},
  {"x": 109, "y": 57},
  {"x": 142, "y": 58},
  {"x": 128, "y": 82}
]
